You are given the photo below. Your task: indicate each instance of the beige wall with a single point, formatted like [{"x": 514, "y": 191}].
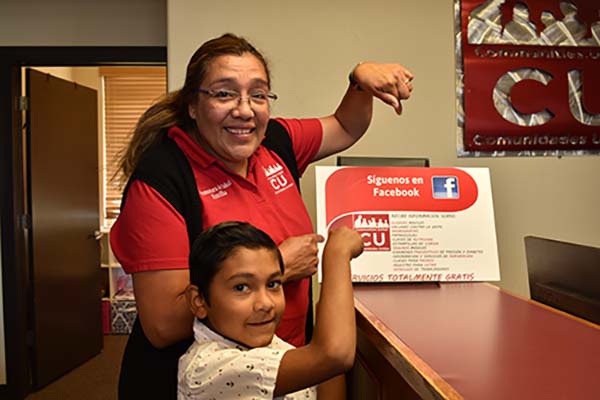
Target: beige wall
[
  {"x": 82, "y": 23},
  {"x": 312, "y": 45}
]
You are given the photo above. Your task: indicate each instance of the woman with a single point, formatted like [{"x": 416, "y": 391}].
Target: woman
[{"x": 199, "y": 157}]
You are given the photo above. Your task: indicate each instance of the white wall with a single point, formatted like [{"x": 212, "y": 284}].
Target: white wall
[
  {"x": 82, "y": 23},
  {"x": 312, "y": 45}
]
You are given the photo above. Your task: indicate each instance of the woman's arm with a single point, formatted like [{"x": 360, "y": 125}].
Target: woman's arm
[
  {"x": 163, "y": 311},
  {"x": 331, "y": 350},
  {"x": 150, "y": 241},
  {"x": 391, "y": 83}
]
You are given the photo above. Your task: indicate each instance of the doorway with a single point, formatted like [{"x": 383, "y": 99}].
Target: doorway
[{"x": 15, "y": 222}]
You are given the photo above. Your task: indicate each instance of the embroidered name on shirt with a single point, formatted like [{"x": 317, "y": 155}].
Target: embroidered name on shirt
[
  {"x": 276, "y": 176},
  {"x": 218, "y": 191}
]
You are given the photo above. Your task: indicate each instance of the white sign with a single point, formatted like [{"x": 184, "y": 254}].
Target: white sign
[{"x": 418, "y": 224}]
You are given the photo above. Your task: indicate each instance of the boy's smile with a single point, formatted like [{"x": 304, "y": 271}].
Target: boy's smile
[{"x": 246, "y": 297}]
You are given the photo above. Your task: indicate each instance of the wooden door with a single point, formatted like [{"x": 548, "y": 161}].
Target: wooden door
[{"x": 63, "y": 198}]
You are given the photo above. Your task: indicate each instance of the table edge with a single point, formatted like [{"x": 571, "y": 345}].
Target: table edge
[{"x": 417, "y": 373}]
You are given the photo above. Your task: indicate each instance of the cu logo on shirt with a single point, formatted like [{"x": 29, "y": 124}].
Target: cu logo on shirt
[
  {"x": 279, "y": 183},
  {"x": 276, "y": 176}
]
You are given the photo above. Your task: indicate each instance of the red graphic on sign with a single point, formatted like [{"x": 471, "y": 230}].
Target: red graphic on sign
[
  {"x": 531, "y": 75},
  {"x": 363, "y": 190},
  {"x": 373, "y": 228}
]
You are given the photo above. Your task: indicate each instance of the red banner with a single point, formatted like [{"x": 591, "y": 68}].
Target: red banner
[
  {"x": 531, "y": 78},
  {"x": 390, "y": 189}
]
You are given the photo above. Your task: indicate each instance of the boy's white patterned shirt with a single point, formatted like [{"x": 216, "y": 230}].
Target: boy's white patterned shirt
[{"x": 216, "y": 368}]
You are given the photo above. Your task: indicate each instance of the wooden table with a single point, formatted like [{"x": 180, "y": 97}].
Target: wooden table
[{"x": 472, "y": 341}]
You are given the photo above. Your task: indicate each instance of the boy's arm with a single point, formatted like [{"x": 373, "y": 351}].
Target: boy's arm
[
  {"x": 331, "y": 350},
  {"x": 333, "y": 389}
]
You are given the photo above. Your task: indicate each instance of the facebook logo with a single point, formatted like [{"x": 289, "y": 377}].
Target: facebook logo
[{"x": 445, "y": 187}]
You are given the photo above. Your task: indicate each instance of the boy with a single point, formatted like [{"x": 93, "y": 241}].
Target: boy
[{"x": 236, "y": 295}]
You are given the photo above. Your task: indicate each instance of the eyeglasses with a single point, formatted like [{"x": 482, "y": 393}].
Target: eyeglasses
[{"x": 233, "y": 99}]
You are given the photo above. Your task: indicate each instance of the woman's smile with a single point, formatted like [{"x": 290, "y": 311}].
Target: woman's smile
[{"x": 239, "y": 131}]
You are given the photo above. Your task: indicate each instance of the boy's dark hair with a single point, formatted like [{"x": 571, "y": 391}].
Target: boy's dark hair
[{"x": 217, "y": 243}]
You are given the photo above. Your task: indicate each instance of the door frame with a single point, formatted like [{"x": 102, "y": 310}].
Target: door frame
[{"x": 15, "y": 249}]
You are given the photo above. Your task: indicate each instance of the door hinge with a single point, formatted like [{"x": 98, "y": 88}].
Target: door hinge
[
  {"x": 25, "y": 221},
  {"x": 23, "y": 103},
  {"x": 97, "y": 234}
]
